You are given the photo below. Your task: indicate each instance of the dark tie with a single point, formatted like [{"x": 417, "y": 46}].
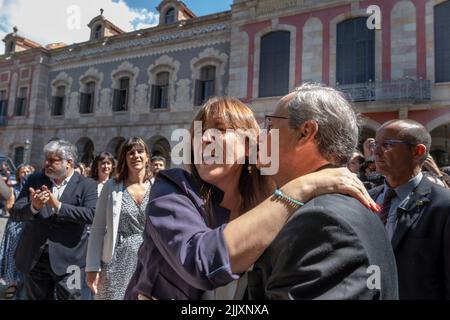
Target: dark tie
[{"x": 388, "y": 196}]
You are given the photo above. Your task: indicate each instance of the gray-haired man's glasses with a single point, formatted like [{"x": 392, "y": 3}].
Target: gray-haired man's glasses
[{"x": 268, "y": 121}]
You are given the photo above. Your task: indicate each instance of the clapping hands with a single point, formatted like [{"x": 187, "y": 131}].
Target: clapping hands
[{"x": 40, "y": 197}]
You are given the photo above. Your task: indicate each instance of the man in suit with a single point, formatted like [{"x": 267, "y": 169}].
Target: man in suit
[
  {"x": 332, "y": 247},
  {"x": 415, "y": 211},
  {"x": 56, "y": 205}
]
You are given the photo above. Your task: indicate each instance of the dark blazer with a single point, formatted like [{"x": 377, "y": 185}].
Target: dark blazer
[
  {"x": 65, "y": 231},
  {"x": 324, "y": 252},
  {"x": 421, "y": 242}
]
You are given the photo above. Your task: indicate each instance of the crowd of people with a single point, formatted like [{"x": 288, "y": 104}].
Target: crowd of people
[{"x": 314, "y": 230}]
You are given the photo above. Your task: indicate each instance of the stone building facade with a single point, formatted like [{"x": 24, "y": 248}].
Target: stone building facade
[{"x": 149, "y": 82}]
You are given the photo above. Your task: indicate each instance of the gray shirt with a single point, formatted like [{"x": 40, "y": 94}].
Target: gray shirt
[{"x": 403, "y": 193}]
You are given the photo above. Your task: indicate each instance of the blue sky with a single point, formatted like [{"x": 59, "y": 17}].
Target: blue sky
[
  {"x": 199, "y": 7},
  {"x": 51, "y": 21}
]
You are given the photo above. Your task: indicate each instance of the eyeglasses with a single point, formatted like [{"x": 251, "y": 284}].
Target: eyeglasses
[
  {"x": 388, "y": 144},
  {"x": 53, "y": 160},
  {"x": 268, "y": 120}
]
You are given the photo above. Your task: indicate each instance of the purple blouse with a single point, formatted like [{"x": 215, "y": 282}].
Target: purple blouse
[{"x": 181, "y": 257}]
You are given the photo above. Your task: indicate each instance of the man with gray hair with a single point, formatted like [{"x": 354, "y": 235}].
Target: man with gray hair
[
  {"x": 332, "y": 247},
  {"x": 56, "y": 205}
]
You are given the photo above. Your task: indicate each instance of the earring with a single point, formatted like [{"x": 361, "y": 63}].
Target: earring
[{"x": 249, "y": 169}]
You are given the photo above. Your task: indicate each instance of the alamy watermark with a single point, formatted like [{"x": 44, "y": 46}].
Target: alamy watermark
[{"x": 230, "y": 147}]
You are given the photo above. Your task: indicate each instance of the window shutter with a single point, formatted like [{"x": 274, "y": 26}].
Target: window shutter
[
  {"x": 124, "y": 100},
  {"x": 154, "y": 97},
  {"x": 3, "y": 108},
  {"x": 83, "y": 103},
  {"x": 213, "y": 88},
  {"x": 116, "y": 100},
  {"x": 442, "y": 42},
  {"x": 198, "y": 93},
  {"x": 165, "y": 97},
  {"x": 54, "y": 106}
]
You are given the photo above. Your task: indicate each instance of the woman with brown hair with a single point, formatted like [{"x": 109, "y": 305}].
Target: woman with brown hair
[
  {"x": 206, "y": 227},
  {"x": 116, "y": 233},
  {"x": 102, "y": 169}
]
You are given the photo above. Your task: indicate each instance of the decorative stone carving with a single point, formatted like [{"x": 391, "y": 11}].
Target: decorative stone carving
[
  {"x": 62, "y": 79},
  {"x": 92, "y": 74},
  {"x": 141, "y": 101},
  {"x": 168, "y": 64},
  {"x": 210, "y": 57},
  {"x": 177, "y": 35},
  {"x": 73, "y": 109},
  {"x": 126, "y": 69},
  {"x": 105, "y": 102},
  {"x": 183, "y": 100}
]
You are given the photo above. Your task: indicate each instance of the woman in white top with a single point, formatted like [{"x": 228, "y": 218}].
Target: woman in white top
[{"x": 116, "y": 233}]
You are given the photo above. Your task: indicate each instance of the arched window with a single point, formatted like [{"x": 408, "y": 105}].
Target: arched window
[
  {"x": 58, "y": 101},
  {"x": 160, "y": 91},
  {"x": 274, "y": 64},
  {"x": 355, "y": 60},
  {"x": 170, "y": 16},
  {"x": 442, "y": 41},
  {"x": 87, "y": 98},
  {"x": 19, "y": 156},
  {"x": 120, "y": 101},
  {"x": 205, "y": 86},
  {"x": 98, "y": 32}
]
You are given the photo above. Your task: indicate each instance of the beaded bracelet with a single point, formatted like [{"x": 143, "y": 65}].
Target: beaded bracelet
[{"x": 280, "y": 195}]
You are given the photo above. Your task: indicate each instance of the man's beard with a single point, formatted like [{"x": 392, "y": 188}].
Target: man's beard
[{"x": 57, "y": 175}]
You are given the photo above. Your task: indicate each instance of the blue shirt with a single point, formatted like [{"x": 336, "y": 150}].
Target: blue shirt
[{"x": 403, "y": 194}]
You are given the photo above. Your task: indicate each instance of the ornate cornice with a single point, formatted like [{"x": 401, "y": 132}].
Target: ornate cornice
[{"x": 138, "y": 43}]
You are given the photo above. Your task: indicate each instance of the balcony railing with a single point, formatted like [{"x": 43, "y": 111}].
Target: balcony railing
[
  {"x": 3, "y": 121},
  {"x": 405, "y": 89}
]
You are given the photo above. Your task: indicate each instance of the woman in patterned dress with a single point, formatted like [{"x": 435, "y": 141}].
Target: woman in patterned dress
[
  {"x": 11, "y": 236},
  {"x": 116, "y": 233}
]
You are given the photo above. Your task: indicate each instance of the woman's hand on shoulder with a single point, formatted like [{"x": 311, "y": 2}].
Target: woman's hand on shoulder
[{"x": 335, "y": 180}]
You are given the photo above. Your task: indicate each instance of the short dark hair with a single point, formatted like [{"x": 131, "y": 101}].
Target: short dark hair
[
  {"x": 159, "y": 158},
  {"x": 413, "y": 132},
  {"x": 99, "y": 158}
]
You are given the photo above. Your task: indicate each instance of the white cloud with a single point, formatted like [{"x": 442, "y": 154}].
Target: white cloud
[{"x": 50, "y": 21}]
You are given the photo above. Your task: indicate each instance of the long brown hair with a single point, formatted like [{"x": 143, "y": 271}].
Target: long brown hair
[
  {"x": 127, "y": 146},
  {"x": 253, "y": 187}
]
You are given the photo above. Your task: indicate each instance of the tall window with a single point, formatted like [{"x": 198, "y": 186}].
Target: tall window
[
  {"x": 442, "y": 41},
  {"x": 98, "y": 32},
  {"x": 205, "y": 86},
  {"x": 160, "y": 91},
  {"x": 274, "y": 64},
  {"x": 58, "y": 101},
  {"x": 120, "y": 102},
  {"x": 19, "y": 109},
  {"x": 19, "y": 156},
  {"x": 87, "y": 98},
  {"x": 170, "y": 16},
  {"x": 3, "y": 107},
  {"x": 355, "y": 60}
]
